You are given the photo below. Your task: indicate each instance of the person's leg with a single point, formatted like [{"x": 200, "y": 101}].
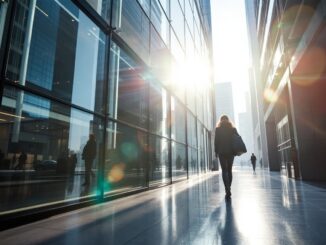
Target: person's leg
[
  {"x": 225, "y": 177},
  {"x": 254, "y": 166},
  {"x": 87, "y": 171},
  {"x": 229, "y": 168}
]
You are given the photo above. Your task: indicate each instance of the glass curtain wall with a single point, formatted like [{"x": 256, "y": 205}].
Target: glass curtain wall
[{"x": 88, "y": 112}]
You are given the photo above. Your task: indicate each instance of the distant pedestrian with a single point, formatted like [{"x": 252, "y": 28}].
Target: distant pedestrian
[
  {"x": 89, "y": 154},
  {"x": 253, "y": 160},
  {"x": 224, "y": 133},
  {"x": 22, "y": 160}
]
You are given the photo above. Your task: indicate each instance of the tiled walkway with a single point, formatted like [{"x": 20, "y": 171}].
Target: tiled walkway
[{"x": 265, "y": 209}]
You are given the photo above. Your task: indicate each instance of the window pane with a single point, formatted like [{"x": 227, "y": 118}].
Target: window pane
[
  {"x": 41, "y": 147},
  {"x": 192, "y": 134},
  {"x": 3, "y": 12},
  {"x": 166, "y": 6},
  {"x": 160, "y": 21},
  {"x": 193, "y": 162},
  {"x": 128, "y": 82},
  {"x": 103, "y": 7},
  {"x": 126, "y": 158},
  {"x": 133, "y": 26},
  {"x": 160, "y": 58},
  {"x": 159, "y": 110},
  {"x": 59, "y": 51},
  {"x": 159, "y": 172},
  {"x": 177, "y": 19},
  {"x": 178, "y": 121},
  {"x": 179, "y": 161},
  {"x": 145, "y": 5}
]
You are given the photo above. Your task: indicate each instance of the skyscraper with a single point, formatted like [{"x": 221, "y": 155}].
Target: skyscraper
[
  {"x": 290, "y": 38},
  {"x": 224, "y": 100},
  {"x": 133, "y": 73}
]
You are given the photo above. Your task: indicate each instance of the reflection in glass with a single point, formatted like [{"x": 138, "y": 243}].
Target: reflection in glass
[
  {"x": 41, "y": 150},
  {"x": 128, "y": 83},
  {"x": 159, "y": 171},
  {"x": 166, "y": 6},
  {"x": 178, "y": 121},
  {"x": 191, "y": 130},
  {"x": 193, "y": 162},
  {"x": 3, "y": 12},
  {"x": 103, "y": 7},
  {"x": 160, "y": 21},
  {"x": 133, "y": 26},
  {"x": 159, "y": 110},
  {"x": 58, "y": 51},
  {"x": 177, "y": 20},
  {"x": 126, "y": 159},
  {"x": 179, "y": 161},
  {"x": 159, "y": 58}
]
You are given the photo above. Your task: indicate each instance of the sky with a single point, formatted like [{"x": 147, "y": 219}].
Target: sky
[{"x": 230, "y": 44}]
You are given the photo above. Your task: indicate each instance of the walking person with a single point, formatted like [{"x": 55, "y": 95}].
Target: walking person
[
  {"x": 89, "y": 154},
  {"x": 253, "y": 160},
  {"x": 224, "y": 133}
]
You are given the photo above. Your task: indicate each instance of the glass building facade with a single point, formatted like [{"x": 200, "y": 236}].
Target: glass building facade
[{"x": 135, "y": 74}]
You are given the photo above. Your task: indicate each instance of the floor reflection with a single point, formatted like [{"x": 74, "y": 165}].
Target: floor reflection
[{"x": 265, "y": 209}]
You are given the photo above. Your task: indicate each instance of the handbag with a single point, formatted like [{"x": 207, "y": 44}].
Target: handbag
[{"x": 238, "y": 145}]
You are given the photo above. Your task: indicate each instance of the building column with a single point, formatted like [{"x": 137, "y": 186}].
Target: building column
[{"x": 274, "y": 164}]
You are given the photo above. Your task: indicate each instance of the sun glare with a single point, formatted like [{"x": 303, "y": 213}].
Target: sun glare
[{"x": 191, "y": 74}]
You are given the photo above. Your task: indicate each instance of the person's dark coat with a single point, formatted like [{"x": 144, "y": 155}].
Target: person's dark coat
[
  {"x": 223, "y": 139},
  {"x": 89, "y": 151},
  {"x": 253, "y": 159}
]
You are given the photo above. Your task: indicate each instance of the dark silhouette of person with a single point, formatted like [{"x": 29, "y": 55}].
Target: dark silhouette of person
[
  {"x": 253, "y": 160},
  {"x": 22, "y": 160},
  {"x": 224, "y": 151},
  {"x": 89, "y": 154},
  {"x": 72, "y": 163}
]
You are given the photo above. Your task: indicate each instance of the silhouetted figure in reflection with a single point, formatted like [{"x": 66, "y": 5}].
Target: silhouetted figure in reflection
[
  {"x": 89, "y": 154},
  {"x": 224, "y": 151},
  {"x": 72, "y": 163},
  {"x": 22, "y": 160},
  {"x": 62, "y": 162},
  {"x": 253, "y": 160}
]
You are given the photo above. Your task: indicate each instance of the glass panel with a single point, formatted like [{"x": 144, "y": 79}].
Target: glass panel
[
  {"x": 3, "y": 12},
  {"x": 103, "y": 7},
  {"x": 42, "y": 150},
  {"x": 179, "y": 161},
  {"x": 166, "y": 6},
  {"x": 127, "y": 81},
  {"x": 133, "y": 26},
  {"x": 160, "y": 21},
  {"x": 178, "y": 121},
  {"x": 160, "y": 58},
  {"x": 126, "y": 159},
  {"x": 193, "y": 162},
  {"x": 159, "y": 172},
  {"x": 59, "y": 51},
  {"x": 145, "y": 5},
  {"x": 189, "y": 14},
  {"x": 159, "y": 110},
  {"x": 191, "y": 128},
  {"x": 177, "y": 20}
]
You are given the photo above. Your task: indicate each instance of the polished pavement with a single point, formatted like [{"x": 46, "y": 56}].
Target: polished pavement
[{"x": 265, "y": 208}]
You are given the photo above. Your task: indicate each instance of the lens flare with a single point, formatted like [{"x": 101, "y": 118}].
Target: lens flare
[
  {"x": 117, "y": 173},
  {"x": 270, "y": 95},
  {"x": 311, "y": 67}
]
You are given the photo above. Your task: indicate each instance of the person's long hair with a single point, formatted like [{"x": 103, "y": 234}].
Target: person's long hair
[{"x": 224, "y": 121}]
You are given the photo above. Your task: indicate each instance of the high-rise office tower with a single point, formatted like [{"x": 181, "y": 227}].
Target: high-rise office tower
[
  {"x": 288, "y": 47},
  {"x": 134, "y": 74},
  {"x": 224, "y": 100}
]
